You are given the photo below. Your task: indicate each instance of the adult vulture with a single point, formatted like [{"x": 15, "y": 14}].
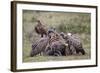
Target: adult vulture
[
  {"x": 74, "y": 43},
  {"x": 39, "y": 46}
]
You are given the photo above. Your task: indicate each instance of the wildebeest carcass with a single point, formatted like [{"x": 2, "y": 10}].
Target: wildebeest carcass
[
  {"x": 40, "y": 29},
  {"x": 39, "y": 46},
  {"x": 74, "y": 43},
  {"x": 57, "y": 49}
]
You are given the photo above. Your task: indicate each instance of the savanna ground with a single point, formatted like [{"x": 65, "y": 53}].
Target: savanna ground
[{"x": 78, "y": 23}]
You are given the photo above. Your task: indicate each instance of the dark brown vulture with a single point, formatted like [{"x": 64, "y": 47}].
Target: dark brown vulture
[{"x": 40, "y": 28}]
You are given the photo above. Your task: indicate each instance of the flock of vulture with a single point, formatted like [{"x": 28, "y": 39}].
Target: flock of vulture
[{"x": 52, "y": 43}]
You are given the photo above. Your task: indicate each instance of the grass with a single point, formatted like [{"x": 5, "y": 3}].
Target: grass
[
  {"x": 78, "y": 23},
  {"x": 52, "y": 58}
]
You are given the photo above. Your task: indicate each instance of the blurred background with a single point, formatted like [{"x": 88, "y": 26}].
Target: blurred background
[{"x": 76, "y": 23}]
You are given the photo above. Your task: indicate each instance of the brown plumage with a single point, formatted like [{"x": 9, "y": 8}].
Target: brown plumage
[
  {"x": 40, "y": 29},
  {"x": 39, "y": 46},
  {"x": 57, "y": 45},
  {"x": 74, "y": 43}
]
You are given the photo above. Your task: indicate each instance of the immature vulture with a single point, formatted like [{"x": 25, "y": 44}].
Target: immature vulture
[{"x": 40, "y": 28}]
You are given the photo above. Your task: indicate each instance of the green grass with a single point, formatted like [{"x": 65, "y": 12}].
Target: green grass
[
  {"x": 52, "y": 58},
  {"x": 63, "y": 22}
]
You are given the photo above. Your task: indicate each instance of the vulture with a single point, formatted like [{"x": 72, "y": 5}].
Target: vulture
[
  {"x": 39, "y": 46},
  {"x": 74, "y": 43},
  {"x": 57, "y": 45},
  {"x": 40, "y": 28}
]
